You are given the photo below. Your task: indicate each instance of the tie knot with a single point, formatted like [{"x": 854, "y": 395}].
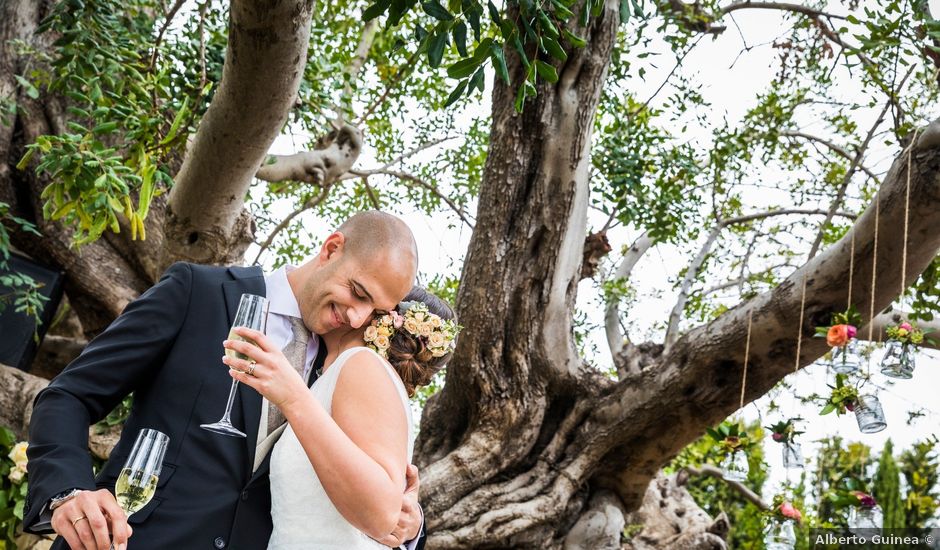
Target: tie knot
[{"x": 301, "y": 334}]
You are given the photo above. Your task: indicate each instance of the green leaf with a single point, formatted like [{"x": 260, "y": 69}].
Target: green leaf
[
  {"x": 473, "y": 17},
  {"x": 562, "y": 11},
  {"x": 420, "y": 33},
  {"x": 436, "y": 48},
  {"x": 499, "y": 62},
  {"x": 476, "y": 81},
  {"x": 105, "y": 127},
  {"x": 494, "y": 12},
  {"x": 460, "y": 38},
  {"x": 520, "y": 99},
  {"x": 376, "y": 10},
  {"x": 177, "y": 121},
  {"x": 624, "y": 10},
  {"x": 575, "y": 40},
  {"x": 517, "y": 44},
  {"x": 827, "y": 409},
  {"x": 554, "y": 49},
  {"x": 31, "y": 90},
  {"x": 24, "y": 162},
  {"x": 546, "y": 71},
  {"x": 463, "y": 68},
  {"x": 545, "y": 23},
  {"x": 456, "y": 93},
  {"x": 436, "y": 10}
]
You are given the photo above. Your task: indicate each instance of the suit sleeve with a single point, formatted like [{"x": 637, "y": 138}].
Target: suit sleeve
[{"x": 114, "y": 364}]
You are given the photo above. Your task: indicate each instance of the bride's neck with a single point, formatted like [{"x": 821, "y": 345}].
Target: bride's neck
[{"x": 336, "y": 344}]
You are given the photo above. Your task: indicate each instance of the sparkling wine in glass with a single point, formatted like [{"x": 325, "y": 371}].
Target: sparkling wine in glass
[
  {"x": 252, "y": 313},
  {"x": 137, "y": 482}
]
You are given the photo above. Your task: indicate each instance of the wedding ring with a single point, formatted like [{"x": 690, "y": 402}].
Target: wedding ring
[
  {"x": 76, "y": 520},
  {"x": 251, "y": 368}
]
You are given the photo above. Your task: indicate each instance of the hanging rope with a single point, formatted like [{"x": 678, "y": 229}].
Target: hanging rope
[
  {"x": 747, "y": 353},
  {"x": 799, "y": 332},
  {"x": 874, "y": 275},
  {"x": 851, "y": 270},
  {"x": 907, "y": 210}
]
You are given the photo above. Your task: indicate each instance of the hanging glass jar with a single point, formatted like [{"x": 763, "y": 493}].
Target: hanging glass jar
[
  {"x": 864, "y": 519},
  {"x": 846, "y": 359},
  {"x": 734, "y": 467},
  {"x": 898, "y": 361},
  {"x": 780, "y": 535},
  {"x": 792, "y": 455},
  {"x": 869, "y": 414}
]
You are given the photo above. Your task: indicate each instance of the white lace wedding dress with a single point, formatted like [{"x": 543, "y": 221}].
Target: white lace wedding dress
[{"x": 304, "y": 517}]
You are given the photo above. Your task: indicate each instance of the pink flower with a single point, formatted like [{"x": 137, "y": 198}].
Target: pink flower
[
  {"x": 787, "y": 510},
  {"x": 864, "y": 499},
  {"x": 397, "y": 319},
  {"x": 778, "y": 437},
  {"x": 906, "y": 326},
  {"x": 839, "y": 335}
]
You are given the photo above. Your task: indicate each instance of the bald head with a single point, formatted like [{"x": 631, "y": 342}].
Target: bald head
[{"x": 372, "y": 233}]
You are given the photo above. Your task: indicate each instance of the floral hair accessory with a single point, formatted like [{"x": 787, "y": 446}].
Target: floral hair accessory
[
  {"x": 379, "y": 333},
  {"x": 437, "y": 334}
]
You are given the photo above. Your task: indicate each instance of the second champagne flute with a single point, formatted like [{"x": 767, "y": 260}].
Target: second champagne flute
[
  {"x": 252, "y": 313},
  {"x": 137, "y": 482}
]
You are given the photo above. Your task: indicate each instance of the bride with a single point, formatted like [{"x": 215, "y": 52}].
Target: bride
[{"x": 338, "y": 471}]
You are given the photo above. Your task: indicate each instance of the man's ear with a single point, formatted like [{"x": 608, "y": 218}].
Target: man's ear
[{"x": 333, "y": 246}]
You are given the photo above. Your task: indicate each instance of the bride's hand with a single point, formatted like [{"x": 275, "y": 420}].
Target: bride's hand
[{"x": 268, "y": 370}]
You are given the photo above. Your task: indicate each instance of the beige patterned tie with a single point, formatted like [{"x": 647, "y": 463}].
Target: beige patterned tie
[{"x": 296, "y": 353}]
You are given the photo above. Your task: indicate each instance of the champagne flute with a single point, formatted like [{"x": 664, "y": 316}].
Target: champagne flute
[
  {"x": 252, "y": 313},
  {"x": 137, "y": 482}
]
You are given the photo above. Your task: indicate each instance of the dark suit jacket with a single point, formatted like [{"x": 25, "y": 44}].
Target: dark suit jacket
[{"x": 165, "y": 348}]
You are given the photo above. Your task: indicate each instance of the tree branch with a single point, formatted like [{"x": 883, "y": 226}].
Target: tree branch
[
  {"x": 737, "y": 486},
  {"x": 333, "y": 155},
  {"x": 672, "y": 331},
  {"x": 840, "y": 196},
  {"x": 415, "y": 179},
  {"x": 359, "y": 59},
  {"x": 616, "y": 338},
  {"x": 264, "y": 62},
  {"x": 166, "y": 24},
  {"x": 841, "y": 151},
  {"x": 310, "y": 204},
  {"x": 698, "y": 381},
  {"x": 399, "y": 76},
  {"x": 783, "y": 6}
]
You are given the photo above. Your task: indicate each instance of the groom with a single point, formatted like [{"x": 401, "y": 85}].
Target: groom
[{"x": 165, "y": 348}]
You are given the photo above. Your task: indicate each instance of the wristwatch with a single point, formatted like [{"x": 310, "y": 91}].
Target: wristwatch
[{"x": 62, "y": 498}]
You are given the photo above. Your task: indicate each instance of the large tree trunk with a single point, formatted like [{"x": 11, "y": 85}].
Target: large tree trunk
[{"x": 517, "y": 447}]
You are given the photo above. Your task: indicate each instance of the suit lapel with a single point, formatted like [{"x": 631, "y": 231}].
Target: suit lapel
[{"x": 247, "y": 406}]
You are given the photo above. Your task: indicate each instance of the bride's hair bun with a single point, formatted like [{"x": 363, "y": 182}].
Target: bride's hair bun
[{"x": 409, "y": 355}]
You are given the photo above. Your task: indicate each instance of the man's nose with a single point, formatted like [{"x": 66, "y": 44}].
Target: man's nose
[{"x": 359, "y": 315}]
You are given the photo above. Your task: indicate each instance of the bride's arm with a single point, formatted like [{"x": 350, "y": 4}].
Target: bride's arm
[{"x": 360, "y": 452}]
